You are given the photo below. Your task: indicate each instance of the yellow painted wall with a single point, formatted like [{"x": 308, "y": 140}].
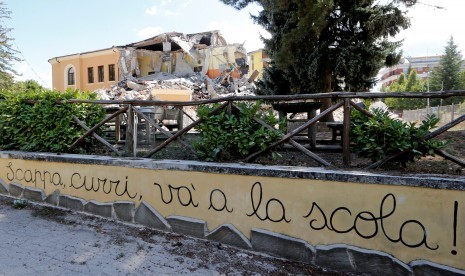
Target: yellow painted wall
[
  {"x": 256, "y": 62},
  {"x": 145, "y": 64},
  {"x": 408, "y": 222},
  {"x": 81, "y": 62},
  {"x": 58, "y": 73},
  {"x": 220, "y": 58},
  {"x": 172, "y": 94}
]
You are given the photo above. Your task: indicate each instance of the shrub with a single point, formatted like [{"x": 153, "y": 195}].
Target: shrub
[
  {"x": 46, "y": 125},
  {"x": 380, "y": 136},
  {"x": 233, "y": 136}
]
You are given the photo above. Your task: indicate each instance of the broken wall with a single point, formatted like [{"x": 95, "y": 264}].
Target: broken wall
[
  {"x": 211, "y": 61},
  {"x": 225, "y": 59}
]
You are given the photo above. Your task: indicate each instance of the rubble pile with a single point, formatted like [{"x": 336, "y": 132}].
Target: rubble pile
[{"x": 202, "y": 87}]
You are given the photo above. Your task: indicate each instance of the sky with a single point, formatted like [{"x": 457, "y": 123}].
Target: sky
[{"x": 44, "y": 29}]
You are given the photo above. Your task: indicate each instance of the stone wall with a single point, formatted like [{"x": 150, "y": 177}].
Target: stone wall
[{"x": 347, "y": 221}]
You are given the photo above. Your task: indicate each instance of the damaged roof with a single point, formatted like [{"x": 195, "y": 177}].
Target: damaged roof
[
  {"x": 181, "y": 41},
  {"x": 178, "y": 41}
]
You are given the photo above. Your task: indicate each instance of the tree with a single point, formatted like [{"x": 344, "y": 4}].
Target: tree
[
  {"x": 412, "y": 83},
  {"x": 7, "y": 53},
  {"x": 27, "y": 85},
  {"x": 462, "y": 80},
  {"x": 446, "y": 76},
  {"x": 320, "y": 46}
]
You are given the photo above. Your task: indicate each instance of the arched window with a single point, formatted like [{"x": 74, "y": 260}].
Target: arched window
[{"x": 71, "y": 76}]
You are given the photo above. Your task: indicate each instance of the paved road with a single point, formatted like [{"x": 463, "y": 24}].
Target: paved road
[{"x": 39, "y": 240}]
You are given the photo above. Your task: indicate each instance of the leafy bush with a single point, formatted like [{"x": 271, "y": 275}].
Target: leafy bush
[
  {"x": 380, "y": 136},
  {"x": 45, "y": 125},
  {"x": 232, "y": 136}
]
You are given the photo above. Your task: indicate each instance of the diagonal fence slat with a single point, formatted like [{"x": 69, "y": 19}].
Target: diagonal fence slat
[
  {"x": 291, "y": 141},
  {"x": 96, "y": 136},
  {"x": 428, "y": 136},
  {"x": 97, "y": 126},
  {"x": 154, "y": 124},
  {"x": 296, "y": 131},
  {"x": 184, "y": 130}
]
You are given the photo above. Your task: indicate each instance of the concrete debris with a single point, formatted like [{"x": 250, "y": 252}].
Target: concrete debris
[
  {"x": 202, "y": 63},
  {"x": 197, "y": 86}
]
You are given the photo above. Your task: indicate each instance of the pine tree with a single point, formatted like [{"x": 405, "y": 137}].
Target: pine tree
[
  {"x": 446, "y": 76},
  {"x": 332, "y": 45},
  {"x": 7, "y": 53}
]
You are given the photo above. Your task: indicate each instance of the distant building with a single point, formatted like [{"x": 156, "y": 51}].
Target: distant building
[
  {"x": 258, "y": 60},
  {"x": 422, "y": 65},
  {"x": 175, "y": 53}
]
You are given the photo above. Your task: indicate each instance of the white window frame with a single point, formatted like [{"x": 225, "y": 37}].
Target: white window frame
[{"x": 69, "y": 66}]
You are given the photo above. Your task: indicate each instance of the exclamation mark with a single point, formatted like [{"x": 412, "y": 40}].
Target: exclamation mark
[{"x": 456, "y": 205}]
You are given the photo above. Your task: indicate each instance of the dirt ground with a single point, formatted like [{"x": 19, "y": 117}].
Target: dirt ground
[
  {"x": 425, "y": 165},
  {"x": 289, "y": 156},
  {"x": 40, "y": 240}
]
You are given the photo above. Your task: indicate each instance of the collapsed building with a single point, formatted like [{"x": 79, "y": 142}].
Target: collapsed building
[{"x": 202, "y": 64}]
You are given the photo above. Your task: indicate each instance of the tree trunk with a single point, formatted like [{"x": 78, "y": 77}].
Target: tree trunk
[{"x": 327, "y": 101}]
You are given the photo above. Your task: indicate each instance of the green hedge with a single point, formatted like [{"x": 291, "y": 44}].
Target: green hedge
[
  {"x": 232, "y": 136},
  {"x": 45, "y": 125},
  {"x": 380, "y": 136}
]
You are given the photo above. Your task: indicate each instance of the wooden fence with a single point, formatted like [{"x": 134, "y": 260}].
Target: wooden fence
[{"x": 132, "y": 108}]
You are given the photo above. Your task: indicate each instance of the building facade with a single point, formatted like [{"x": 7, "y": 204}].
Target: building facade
[
  {"x": 173, "y": 53},
  {"x": 85, "y": 71},
  {"x": 258, "y": 60},
  {"x": 422, "y": 65}
]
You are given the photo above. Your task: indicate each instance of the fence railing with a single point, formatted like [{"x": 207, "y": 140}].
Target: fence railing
[
  {"x": 445, "y": 114},
  {"x": 128, "y": 116}
]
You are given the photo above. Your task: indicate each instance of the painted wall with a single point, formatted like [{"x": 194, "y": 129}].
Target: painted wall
[
  {"x": 81, "y": 62},
  {"x": 256, "y": 62},
  {"x": 222, "y": 58},
  {"x": 410, "y": 222}
]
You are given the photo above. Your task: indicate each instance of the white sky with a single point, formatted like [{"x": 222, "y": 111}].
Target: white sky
[{"x": 48, "y": 28}]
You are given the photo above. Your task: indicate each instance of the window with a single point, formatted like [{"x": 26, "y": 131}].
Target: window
[
  {"x": 111, "y": 72},
  {"x": 71, "y": 76},
  {"x": 90, "y": 75},
  {"x": 101, "y": 77}
]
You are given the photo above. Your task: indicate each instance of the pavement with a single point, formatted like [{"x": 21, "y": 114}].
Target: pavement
[{"x": 41, "y": 240}]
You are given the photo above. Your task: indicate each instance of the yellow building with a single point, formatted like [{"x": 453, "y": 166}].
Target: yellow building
[
  {"x": 86, "y": 71},
  {"x": 258, "y": 60},
  {"x": 176, "y": 53}
]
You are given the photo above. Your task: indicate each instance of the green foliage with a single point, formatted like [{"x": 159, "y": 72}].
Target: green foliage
[
  {"x": 45, "y": 125},
  {"x": 412, "y": 83},
  {"x": 273, "y": 82},
  {"x": 446, "y": 76},
  {"x": 380, "y": 136},
  {"x": 232, "y": 136},
  {"x": 27, "y": 85},
  {"x": 462, "y": 80},
  {"x": 20, "y": 203},
  {"x": 335, "y": 45}
]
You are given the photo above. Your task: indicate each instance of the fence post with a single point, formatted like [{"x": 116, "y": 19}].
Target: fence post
[
  {"x": 229, "y": 107},
  {"x": 130, "y": 133},
  {"x": 346, "y": 133},
  {"x": 452, "y": 112}
]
